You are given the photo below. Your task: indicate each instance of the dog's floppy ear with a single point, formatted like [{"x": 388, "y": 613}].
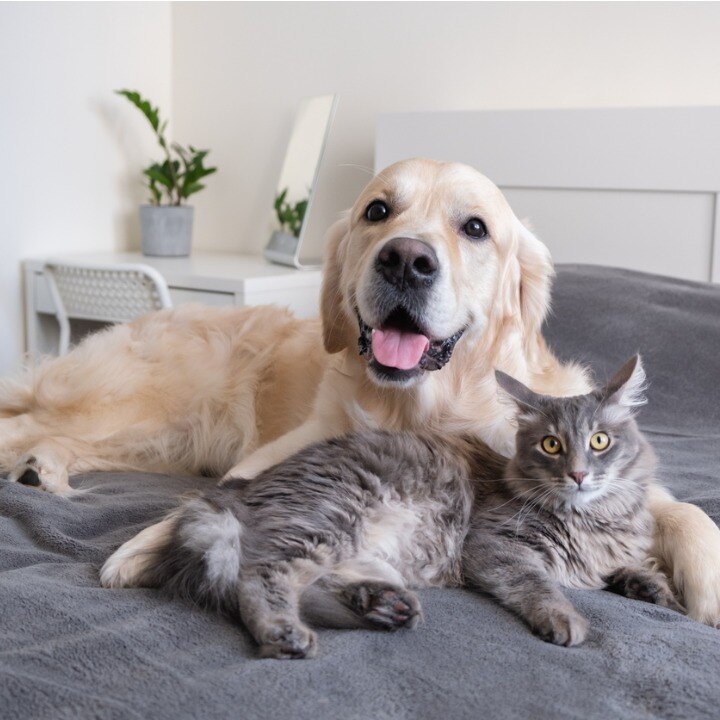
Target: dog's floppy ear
[
  {"x": 536, "y": 274},
  {"x": 332, "y": 309}
]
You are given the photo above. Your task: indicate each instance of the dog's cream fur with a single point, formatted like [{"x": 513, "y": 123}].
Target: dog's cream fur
[{"x": 235, "y": 391}]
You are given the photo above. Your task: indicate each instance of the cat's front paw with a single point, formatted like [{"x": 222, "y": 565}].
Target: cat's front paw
[{"x": 560, "y": 626}]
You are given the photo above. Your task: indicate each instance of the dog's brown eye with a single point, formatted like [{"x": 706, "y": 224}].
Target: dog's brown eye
[
  {"x": 475, "y": 228},
  {"x": 376, "y": 211}
]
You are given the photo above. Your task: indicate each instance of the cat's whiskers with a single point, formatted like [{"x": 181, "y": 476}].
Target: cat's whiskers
[
  {"x": 517, "y": 494},
  {"x": 615, "y": 482},
  {"x": 541, "y": 491},
  {"x": 542, "y": 506},
  {"x": 511, "y": 517},
  {"x": 621, "y": 486},
  {"x": 543, "y": 497}
]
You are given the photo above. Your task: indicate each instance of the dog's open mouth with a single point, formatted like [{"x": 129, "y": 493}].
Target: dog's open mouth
[{"x": 400, "y": 348}]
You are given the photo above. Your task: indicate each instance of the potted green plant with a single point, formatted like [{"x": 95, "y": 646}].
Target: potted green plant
[{"x": 166, "y": 222}]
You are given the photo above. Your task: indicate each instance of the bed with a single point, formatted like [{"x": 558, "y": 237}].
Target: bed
[
  {"x": 69, "y": 649},
  {"x": 629, "y": 187}
]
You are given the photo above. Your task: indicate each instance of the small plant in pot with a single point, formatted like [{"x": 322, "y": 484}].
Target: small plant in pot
[{"x": 166, "y": 222}]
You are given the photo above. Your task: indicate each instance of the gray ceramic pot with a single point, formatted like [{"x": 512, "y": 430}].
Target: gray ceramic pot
[{"x": 166, "y": 230}]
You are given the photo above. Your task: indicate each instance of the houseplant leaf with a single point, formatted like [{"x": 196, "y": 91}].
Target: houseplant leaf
[
  {"x": 191, "y": 189},
  {"x": 151, "y": 113},
  {"x": 157, "y": 174}
]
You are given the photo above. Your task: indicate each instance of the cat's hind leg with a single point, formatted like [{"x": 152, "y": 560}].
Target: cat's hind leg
[
  {"x": 639, "y": 583},
  {"x": 379, "y": 605},
  {"x": 356, "y": 594},
  {"x": 268, "y": 601}
]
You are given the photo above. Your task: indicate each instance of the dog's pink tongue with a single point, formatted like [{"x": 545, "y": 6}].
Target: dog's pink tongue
[{"x": 398, "y": 349}]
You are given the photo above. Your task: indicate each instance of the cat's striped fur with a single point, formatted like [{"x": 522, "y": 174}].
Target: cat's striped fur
[{"x": 349, "y": 525}]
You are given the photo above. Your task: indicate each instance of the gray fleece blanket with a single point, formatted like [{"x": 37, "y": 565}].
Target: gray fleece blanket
[{"x": 69, "y": 649}]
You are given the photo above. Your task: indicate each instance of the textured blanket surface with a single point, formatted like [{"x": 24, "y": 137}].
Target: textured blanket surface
[{"x": 69, "y": 649}]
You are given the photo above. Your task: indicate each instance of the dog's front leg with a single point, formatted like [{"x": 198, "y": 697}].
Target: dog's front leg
[
  {"x": 687, "y": 547},
  {"x": 311, "y": 431}
]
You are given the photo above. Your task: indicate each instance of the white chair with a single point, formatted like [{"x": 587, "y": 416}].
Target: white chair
[{"x": 103, "y": 293}]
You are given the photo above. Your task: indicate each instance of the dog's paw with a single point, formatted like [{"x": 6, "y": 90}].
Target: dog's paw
[
  {"x": 289, "y": 641},
  {"x": 688, "y": 548},
  {"x": 701, "y": 594},
  {"x": 30, "y": 470},
  {"x": 560, "y": 626},
  {"x": 387, "y": 607}
]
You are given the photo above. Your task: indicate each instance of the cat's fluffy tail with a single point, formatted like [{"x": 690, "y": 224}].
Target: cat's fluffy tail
[{"x": 195, "y": 553}]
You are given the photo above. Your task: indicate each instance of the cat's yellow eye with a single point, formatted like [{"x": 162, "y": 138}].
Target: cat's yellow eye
[
  {"x": 599, "y": 441},
  {"x": 551, "y": 445}
]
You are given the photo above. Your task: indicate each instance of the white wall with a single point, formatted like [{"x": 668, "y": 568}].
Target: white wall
[
  {"x": 71, "y": 150},
  {"x": 240, "y": 69}
]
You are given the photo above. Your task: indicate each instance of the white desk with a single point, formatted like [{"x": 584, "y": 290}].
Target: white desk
[{"x": 207, "y": 278}]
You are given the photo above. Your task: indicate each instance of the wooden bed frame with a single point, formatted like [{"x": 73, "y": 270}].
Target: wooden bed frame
[{"x": 635, "y": 188}]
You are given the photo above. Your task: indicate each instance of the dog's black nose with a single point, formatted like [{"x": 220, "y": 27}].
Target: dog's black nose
[{"x": 407, "y": 261}]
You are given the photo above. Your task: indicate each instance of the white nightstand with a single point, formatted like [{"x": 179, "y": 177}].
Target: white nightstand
[{"x": 208, "y": 278}]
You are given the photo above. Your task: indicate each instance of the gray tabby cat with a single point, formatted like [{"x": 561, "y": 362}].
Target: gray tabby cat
[
  {"x": 571, "y": 509},
  {"x": 350, "y": 524}
]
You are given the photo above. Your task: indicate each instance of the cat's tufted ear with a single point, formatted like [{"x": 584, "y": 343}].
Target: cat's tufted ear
[
  {"x": 536, "y": 274},
  {"x": 335, "y": 323},
  {"x": 627, "y": 387},
  {"x": 521, "y": 394}
]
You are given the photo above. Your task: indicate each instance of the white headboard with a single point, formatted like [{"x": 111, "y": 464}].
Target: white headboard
[{"x": 634, "y": 188}]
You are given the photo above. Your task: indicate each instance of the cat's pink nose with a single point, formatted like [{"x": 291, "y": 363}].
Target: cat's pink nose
[{"x": 578, "y": 477}]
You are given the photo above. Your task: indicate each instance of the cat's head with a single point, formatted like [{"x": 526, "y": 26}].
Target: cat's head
[{"x": 578, "y": 448}]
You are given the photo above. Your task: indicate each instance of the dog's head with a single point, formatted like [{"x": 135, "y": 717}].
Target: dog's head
[{"x": 430, "y": 255}]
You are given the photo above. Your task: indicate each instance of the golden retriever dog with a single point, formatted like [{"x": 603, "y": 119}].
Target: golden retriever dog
[{"x": 431, "y": 283}]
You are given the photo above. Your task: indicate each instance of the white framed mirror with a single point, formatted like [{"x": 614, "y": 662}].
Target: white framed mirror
[{"x": 298, "y": 178}]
